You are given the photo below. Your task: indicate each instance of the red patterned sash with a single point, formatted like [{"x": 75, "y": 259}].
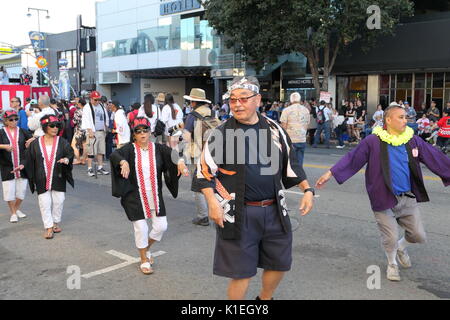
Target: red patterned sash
[
  {"x": 49, "y": 162},
  {"x": 14, "y": 140}
]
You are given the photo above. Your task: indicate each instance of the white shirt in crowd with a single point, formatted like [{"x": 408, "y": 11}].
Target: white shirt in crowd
[
  {"x": 4, "y": 78},
  {"x": 378, "y": 114},
  {"x": 152, "y": 120},
  {"x": 122, "y": 127},
  {"x": 87, "y": 121},
  {"x": 166, "y": 117},
  {"x": 34, "y": 121},
  {"x": 326, "y": 111}
]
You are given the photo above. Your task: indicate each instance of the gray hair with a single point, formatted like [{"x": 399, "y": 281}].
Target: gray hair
[
  {"x": 296, "y": 97},
  {"x": 44, "y": 100}
]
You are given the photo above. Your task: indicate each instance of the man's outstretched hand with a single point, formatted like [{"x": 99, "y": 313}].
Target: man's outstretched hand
[{"x": 320, "y": 184}]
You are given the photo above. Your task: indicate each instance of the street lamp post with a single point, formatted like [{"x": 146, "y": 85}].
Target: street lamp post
[
  {"x": 39, "y": 30},
  {"x": 38, "y": 15}
]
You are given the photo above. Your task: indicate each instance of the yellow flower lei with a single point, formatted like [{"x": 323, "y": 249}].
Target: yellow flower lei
[{"x": 396, "y": 141}]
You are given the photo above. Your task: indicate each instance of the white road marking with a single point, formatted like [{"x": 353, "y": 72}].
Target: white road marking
[
  {"x": 128, "y": 261},
  {"x": 300, "y": 193}
]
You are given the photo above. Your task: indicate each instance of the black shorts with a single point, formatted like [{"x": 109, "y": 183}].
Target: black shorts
[{"x": 263, "y": 244}]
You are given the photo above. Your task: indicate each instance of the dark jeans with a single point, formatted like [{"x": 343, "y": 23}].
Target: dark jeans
[
  {"x": 311, "y": 133},
  {"x": 299, "y": 149},
  {"x": 340, "y": 135},
  {"x": 109, "y": 144},
  {"x": 443, "y": 143},
  {"x": 323, "y": 127}
]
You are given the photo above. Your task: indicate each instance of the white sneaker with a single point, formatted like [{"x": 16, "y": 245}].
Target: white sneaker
[
  {"x": 20, "y": 214},
  {"x": 393, "y": 274},
  {"x": 14, "y": 219},
  {"x": 340, "y": 147},
  {"x": 404, "y": 259}
]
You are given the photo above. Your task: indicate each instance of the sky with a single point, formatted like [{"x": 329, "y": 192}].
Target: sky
[{"x": 15, "y": 25}]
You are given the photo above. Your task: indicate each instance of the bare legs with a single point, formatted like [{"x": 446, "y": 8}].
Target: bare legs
[
  {"x": 14, "y": 206},
  {"x": 237, "y": 289}
]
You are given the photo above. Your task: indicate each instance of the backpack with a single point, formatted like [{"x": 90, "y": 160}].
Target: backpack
[
  {"x": 320, "y": 116},
  {"x": 209, "y": 123}
]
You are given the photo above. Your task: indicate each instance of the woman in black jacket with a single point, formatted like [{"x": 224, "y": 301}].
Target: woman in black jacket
[
  {"x": 12, "y": 160},
  {"x": 49, "y": 167}
]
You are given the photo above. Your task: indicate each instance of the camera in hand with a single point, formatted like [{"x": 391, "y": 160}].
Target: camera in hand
[{"x": 174, "y": 129}]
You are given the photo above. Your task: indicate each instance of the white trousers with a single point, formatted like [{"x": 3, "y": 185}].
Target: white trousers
[
  {"x": 51, "y": 204},
  {"x": 14, "y": 189},
  {"x": 141, "y": 234}
]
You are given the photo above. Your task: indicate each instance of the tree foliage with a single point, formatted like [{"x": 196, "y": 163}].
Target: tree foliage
[{"x": 319, "y": 29}]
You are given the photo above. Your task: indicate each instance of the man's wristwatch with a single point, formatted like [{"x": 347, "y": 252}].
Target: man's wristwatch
[{"x": 310, "y": 190}]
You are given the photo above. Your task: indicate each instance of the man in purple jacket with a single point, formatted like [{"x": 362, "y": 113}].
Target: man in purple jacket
[{"x": 394, "y": 182}]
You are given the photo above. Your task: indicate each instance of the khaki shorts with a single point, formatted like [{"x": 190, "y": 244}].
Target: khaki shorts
[
  {"x": 98, "y": 144},
  {"x": 406, "y": 215}
]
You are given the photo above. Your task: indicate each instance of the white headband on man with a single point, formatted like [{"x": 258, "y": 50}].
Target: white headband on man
[{"x": 242, "y": 84}]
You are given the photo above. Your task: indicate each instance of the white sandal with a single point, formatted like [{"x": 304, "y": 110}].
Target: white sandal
[{"x": 148, "y": 266}]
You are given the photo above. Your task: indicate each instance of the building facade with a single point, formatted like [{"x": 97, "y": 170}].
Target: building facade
[
  {"x": 151, "y": 47},
  {"x": 413, "y": 65}
]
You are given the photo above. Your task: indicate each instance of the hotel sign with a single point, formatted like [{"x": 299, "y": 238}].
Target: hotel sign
[{"x": 179, "y": 6}]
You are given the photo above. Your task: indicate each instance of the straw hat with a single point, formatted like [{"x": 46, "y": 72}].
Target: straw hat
[
  {"x": 197, "y": 95},
  {"x": 161, "y": 97},
  {"x": 394, "y": 104}
]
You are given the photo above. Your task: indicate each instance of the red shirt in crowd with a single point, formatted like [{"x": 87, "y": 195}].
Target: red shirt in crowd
[{"x": 444, "y": 125}]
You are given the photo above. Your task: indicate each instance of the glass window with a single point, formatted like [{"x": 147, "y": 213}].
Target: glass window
[
  {"x": 384, "y": 81},
  {"x": 358, "y": 83},
  {"x": 82, "y": 60},
  {"x": 187, "y": 34},
  {"x": 166, "y": 36},
  {"x": 393, "y": 81},
  {"x": 438, "y": 93},
  {"x": 420, "y": 80},
  {"x": 447, "y": 80},
  {"x": 447, "y": 96},
  {"x": 108, "y": 49},
  {"x": 404, "y": 81},
  {"x": 419, "y": 98},
  {"x": 69, "y": 58},
  {"x": 438, "y": 80},
  {"x": 429, "y": 80},
  {"x": 126, "y": 47}
]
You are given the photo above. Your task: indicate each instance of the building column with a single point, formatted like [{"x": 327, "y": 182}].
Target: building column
[{"x": 373, "y": 94}]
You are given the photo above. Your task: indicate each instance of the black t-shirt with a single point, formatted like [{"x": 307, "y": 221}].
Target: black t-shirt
[
  {"x": 359, "y": 112},
  {"x": 258, "y": 187}
]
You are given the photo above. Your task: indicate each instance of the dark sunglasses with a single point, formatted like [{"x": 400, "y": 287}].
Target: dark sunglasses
[
  {"x": 13, "y": 119},
  {"x": 97, "y": 100},
  {"x": 139, "y": 131},
  {"x": 55, "y": 125}
]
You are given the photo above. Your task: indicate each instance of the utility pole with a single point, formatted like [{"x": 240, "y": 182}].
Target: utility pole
[{"x": 79, "y": 76}]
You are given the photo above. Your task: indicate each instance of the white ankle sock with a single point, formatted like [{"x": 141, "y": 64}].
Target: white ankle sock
[
  {"x": 402, "y": 244},
  {"x": 392, "y": 257}
]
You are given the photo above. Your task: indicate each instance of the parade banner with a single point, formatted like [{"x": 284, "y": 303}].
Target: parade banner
[
  {"x": 325, "y": 96},
  {"x": 10, "y": 91},
  {"x": 37, "y": 40},
  {"x": 40, "y": 91}
]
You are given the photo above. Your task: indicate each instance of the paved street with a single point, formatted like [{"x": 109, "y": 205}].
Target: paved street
[{"x": 333, "y": 247}]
